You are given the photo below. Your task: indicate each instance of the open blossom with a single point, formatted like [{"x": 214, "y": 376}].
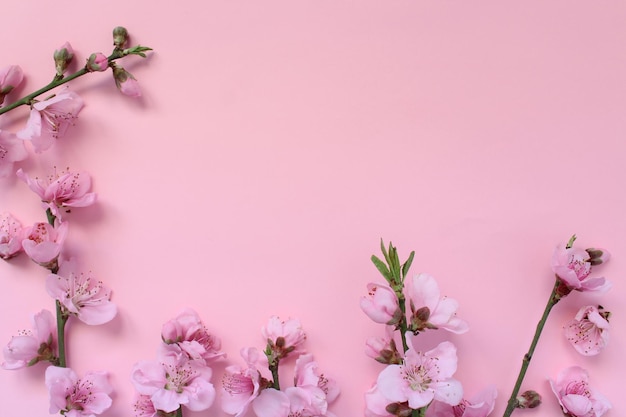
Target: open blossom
[
  {"x": 381, "y": 304},
  {"x": 575, "y": 396},
  {"x": 283, "y": 336},
  {"x": 188, "y": 331},
  {"x": 423, "y": 377},
  {"x": 573, "y": 267},
  {"x": 11, "y": 235},
  {"x": 50, "y": 119},
  {"x": 241, "y": 386},
  {"x": 430, "y": 310},
  {"x": 144, "y": 408},
  {"x": 81, "y": 295},
  {"x": 481, "y": 405},
  {"x": 61, "y": 190},
  {"x": 174, "y": 380},
  {"x": 32, "y": 346},
  {"x": 588, "y": 332},
  {"x": 308, "y": 375},
  {"x": 78, "y": 397},
  {"x": 43, "y": 243},
  {"x": 11, "y": 150},
  {"x": 294, "y": 401}
]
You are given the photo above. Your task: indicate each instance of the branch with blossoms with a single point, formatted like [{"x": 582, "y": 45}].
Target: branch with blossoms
[
  {"x": 257, "y": 384},
  {"x": 76, "y": 294},
  {"x": 416, "y": 381},
  {"x": 420, "y": 383}
]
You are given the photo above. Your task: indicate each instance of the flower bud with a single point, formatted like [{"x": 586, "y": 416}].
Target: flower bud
[
  {"x": 97, "y": 62},
  {"x": 528, "y": 399},
  {"x": 10, "y": 77},
  {"x": 399, "y": 409},
  {"x": 63, "y": 57},
  {"x": 125, "y": 82},
  {"x": 120, "y": 36},
  {"x": 598, "y": 256}
]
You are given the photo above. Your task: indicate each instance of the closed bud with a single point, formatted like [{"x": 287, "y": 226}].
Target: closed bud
[
  {"x": 97, "y": 62},
  {"x": 120, "y": 36},
  {"x": 63, "y": 57},
  {"x": 598, "y": 256},
  {"x": 529, "y": 399}
]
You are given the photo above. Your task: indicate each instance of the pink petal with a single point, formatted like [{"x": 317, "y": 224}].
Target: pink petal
[{"x": 271, "y": 403}]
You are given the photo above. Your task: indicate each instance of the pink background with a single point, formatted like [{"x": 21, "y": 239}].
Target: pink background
[{"x": 277, "y": 142}]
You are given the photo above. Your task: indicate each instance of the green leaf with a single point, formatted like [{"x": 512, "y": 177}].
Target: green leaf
[
  {"x": 407, "y": 265},
  {"x": 382, "y": 268},
  {"x": 384, "y": 250},
  {"x": 394, "y": 263}
]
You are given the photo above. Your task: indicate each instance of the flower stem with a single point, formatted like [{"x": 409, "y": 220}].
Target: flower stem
[
  {"x": 274, "y": 369},
  {"x": 61, "y": 320},
  {"x": 512, "y": 403},
  {"x": 57, "y": 81},
  {"x": 179, "y": 412},
  {"x": 403, "y": 325}
]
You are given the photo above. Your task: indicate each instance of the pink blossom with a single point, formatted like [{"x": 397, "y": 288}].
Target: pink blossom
[
  {"x": 10, "y": 77},
  {"x": 30, "y": 347},
  {"x": 423, "y": 377},
  {"x": 11, "y": 236},
  {"x": 308, "y": 375},
  {"x": 272, "y": 403},
  {"x": 174, "y": 380},
  {"x": 284, "y": 336},
  {"x": 11, "y": 150},
  {"x": 61, "y": 190},
  {"x": 97, "y": 62},
  {"x": 480, "y": 405},
  {"x": 573, "y": 267},
  {"x": 50, "y": 119},
  {"x": 429, "y": 310},
  {"x": 241, "y": 386},
  {"x": 77, "y": 397},
  {"x": 588, "y": 332},
  {"x": 80, "y": 295},
  {"x": 43, "y": 243},
  {"x": 381, "y": 304},
  {"x": 188, "y": 331},
  {"x": 144, "y": 408},
  {"x": 575, "y": 396},
  {"x": 383, "y": 349},
  {"x": 125, "y": 82}
]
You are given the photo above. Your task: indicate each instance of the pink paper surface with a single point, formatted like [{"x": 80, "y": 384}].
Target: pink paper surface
[{"x": 277, "y": 142}]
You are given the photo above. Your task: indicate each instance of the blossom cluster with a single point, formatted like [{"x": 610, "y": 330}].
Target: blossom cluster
[
  {"x": 256, "y": 385},
  {"x": 419, "y": 380},
  {"x": 181, "y": 373}
]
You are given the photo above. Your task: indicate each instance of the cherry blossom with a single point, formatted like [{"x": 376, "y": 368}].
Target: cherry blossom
[
  {"x": 576, "y": 397},
  {"x": 80, "y": 295},
  {"x": 573, "y": 267},
  {"x": 188, "y": 331},
  {"x": 284, "y": 337},
  {"x": 50, "y": 119},
  {"x": 11, "y": 150},
  {"x": 43, "y": 243},
  {"x": 125, "y": 82},
  {"x": 381, "y": 304},
  {"x": 30, "y": 347},
  {"x": 77, "y": 397},
  {"x": 588, "y": 332},
  {"x": 11, "y": 236},
  {"x": 61, "y": 190},
  {"x": 430, "y": 310},
  {"x": 174, "y": 380},
  {"x": 423, "y": 377}
]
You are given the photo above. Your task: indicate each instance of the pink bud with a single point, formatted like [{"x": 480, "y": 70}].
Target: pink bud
[
  {"x": 63, "y": 57},
  {"x": 97, "y": 62},
  {"x": 10, "y": 77},
  {"x": 125, "y": 82}
]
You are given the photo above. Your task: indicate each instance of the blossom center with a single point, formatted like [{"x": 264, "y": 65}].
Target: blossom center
[{"x": 237, "y": 384}]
